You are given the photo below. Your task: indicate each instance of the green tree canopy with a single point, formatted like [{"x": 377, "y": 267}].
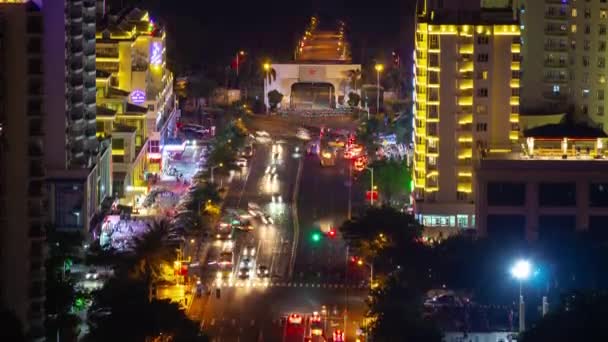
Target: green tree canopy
[
  {"x": 580, "y": 317},
  {"x": 392, "y": 177},
  {"x": 396, "y": 312}
]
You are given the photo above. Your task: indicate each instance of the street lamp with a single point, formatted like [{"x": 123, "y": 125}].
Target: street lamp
[
  {"x": 238, "y": 54},
  {"x": 213, "y": 168},
  {"x": 379, "y": 68},
  {"x": 266, "y": 67},
  {"x": 371, "y": 193},
  {"x": 521, "y": 271},
  {"x": 360, "y": 262}
]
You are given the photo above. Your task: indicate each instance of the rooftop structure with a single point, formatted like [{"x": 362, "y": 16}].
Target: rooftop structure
[{"x": 317, "y": 45}]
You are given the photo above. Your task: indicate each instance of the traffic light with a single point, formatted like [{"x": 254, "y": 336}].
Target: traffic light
[
  {"x": 331, "y": 233},
  {"x": 316, "y": 237}
]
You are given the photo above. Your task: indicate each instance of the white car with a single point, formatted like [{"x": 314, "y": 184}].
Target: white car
[
  {"x": 92, "y": 274},
  {"x": 262, "y": 134},
  {"x": 303, "y": 134},
  {"x": 241, "y": 162}
]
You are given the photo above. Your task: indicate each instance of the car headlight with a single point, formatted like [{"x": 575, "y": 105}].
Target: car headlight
[
  {"x": 88, "y": 276},
  {"x": 218, "y": 275}
]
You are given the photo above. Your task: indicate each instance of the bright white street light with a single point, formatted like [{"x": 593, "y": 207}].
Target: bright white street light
[{"x": 521, "y": 270}]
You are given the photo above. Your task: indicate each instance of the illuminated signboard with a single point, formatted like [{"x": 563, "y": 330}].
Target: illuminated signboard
[
  {"x": 156, "y": 54},
  {"x": 137, "y": 97}
]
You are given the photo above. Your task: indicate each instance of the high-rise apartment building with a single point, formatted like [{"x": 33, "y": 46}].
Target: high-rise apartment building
[
  {"x": 22, "y": 192},
  {"x": 78, "y": 164},
  {"x": 564, "y": 58},
  {"x": 466, "y": 102}
]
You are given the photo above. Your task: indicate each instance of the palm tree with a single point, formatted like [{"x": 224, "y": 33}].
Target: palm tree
[{"x": 151, "y": 251}]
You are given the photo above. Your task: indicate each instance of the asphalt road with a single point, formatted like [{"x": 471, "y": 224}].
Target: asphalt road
[{"x": 303, "y": 276}]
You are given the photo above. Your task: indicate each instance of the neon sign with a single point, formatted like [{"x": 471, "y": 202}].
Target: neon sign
[
  {"x": 137, "y": 97},
  {"x": 156, "y": 54}
]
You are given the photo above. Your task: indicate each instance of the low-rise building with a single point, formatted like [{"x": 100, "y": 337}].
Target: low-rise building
[
  {"x": 134, "y": 97},
  {"x": 546, "y": 186}
]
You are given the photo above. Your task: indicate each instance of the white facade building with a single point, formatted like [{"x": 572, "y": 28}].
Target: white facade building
[{"x": 333, "y": 77}]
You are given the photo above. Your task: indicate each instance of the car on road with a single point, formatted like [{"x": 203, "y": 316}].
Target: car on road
[
  {"x": 244, "y": 273},
  {"x": 295, "y": 319},
  {"x": 246, "y": 262},
  {"x": 92, "y": 274},
  {"x": 241, "y": 162},
  {"x": 223, "y": 275},
  {"x": 303, "y": 134},
  {"x": 263, "y": 271},
  {"x": 316, "y": 326},
  {"x": 244, "y": 225},
  {"x": 338, "y": 336},
  {"x": 277, "y": 198},
  {"x": 249, "y": 251}
]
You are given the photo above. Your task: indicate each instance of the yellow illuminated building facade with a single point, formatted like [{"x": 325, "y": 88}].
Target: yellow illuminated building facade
[
  {"x": 135, "y": 96},
  {"x": 467, "y": 69}
]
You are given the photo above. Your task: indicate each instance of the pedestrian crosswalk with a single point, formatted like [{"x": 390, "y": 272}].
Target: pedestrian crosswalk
[{"x": 262, "y": 284}]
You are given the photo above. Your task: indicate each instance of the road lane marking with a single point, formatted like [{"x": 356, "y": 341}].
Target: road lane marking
[
  {"x": 202, "y": 323},
  {"x": 296, "y": 224},
  {"x": 213, "y": 321}
]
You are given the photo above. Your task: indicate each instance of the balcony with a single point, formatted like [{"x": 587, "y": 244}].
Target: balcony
[
  {"x": 556, "y": 48},
  {"x": 551, "y": 63},
  {"x": 555, "y": 79},
  {"x": 515, "y": 65},
  {"x": 464, "y": 119},
  {"x": 77, "y": 81},
  {"x": 465, "y": 84},
  {"x": 555, "y": 15},
  {"x": 550, "y": 95},
  {"x": 514, "y": 101},
  {"x": 556, "y": 31},
  {"x": 77, "y": 113},
  {"x": 76, "y": 30},
  {"x": 465, "y": 100},
  {"x": 465, "y": 67},
  {"x": 465, "y": 49},
  {"x": 76, "y": 98},
  {"x": 77, "y": 65}
]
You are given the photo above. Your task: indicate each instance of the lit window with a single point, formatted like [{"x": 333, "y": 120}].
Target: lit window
[
  {"x": 573, "y": 28},
  {"x": 556, "y": 88},
  {"x": 574, "y": 12}
]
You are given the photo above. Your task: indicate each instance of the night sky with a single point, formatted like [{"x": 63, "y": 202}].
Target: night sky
[{"x": 206, "y": 33}]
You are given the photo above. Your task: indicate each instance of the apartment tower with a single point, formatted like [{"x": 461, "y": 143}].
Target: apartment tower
[
  {"x": 22, "y": 192},
  {"x": 564, "y": 58},
  {"x": 467, "y": 66},
  {"x": 78, "y": 168}
]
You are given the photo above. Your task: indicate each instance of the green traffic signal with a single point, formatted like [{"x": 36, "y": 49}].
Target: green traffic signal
[{"x": 316, "y": 237}]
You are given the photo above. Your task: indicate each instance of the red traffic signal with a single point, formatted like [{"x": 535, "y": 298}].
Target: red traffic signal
[
  {"x": 369, "y": 194},
  {"x": 331, "y": 233}
]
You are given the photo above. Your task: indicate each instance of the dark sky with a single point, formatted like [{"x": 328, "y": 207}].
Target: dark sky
[{"x": 208, "y": 32}]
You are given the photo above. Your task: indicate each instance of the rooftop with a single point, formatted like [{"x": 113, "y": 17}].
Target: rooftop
[{"x": 565, "y": 130}]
